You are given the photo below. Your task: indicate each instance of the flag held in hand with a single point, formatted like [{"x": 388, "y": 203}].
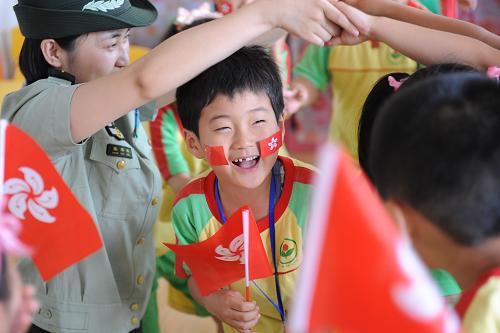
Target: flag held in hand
[{"x": 219, "y": 260}]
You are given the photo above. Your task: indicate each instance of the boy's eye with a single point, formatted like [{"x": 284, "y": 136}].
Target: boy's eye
[
  {"x": 223, "y": 129},
  {"x": 260, "y": 121}
]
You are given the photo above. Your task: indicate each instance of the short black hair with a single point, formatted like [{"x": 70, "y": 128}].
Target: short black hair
[
  {"x": 435, "y": 146},
  {"x": 248, "y": 69},
  {"x": 32, "y": 62},
  {"x": 382, "y": 91}
]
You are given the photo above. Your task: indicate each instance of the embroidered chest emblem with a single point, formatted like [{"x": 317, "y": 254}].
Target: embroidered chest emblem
[
  {"x": 113, "y": 131},
  {"x": 103, "y": 6}
]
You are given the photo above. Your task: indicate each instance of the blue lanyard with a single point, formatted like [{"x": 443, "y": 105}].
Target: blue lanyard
[
  {"x": 279, "y": 307},
  {"x": 136, "y": 123}
]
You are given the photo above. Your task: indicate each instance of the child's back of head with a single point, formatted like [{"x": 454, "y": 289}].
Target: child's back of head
[
  {"x": 250, "y": 69},
  {"x": 435, "y": 147},
  {"x": 385, "y": 87}
]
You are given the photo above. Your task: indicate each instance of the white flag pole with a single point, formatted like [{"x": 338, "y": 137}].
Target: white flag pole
[{"x": 246, "y": 239}]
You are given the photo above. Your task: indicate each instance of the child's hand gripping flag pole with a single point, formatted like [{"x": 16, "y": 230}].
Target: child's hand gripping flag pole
[
  {"x": 246, "y": 244},
  {"x": 220, "y": 260},
  {"x": 58, "y": 230},
  {"x": 359, "y": 274}
]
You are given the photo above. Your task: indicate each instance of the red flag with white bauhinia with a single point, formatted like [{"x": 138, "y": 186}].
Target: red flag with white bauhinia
[
  {"x": 58, "y": 230},
  {"x": 359, "y": 273},
  {"x": 219, "y": 260},
  {"x": 272, "y": 144}
]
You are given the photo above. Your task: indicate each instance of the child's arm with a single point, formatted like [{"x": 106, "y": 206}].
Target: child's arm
[
  {"x": 426, "y": 46},
  {"x": 229, "y": 306},
  {"x": 302, "y": 94},
  {"x": 311, "y": 76},
  {"x": 397, "y": 11}
]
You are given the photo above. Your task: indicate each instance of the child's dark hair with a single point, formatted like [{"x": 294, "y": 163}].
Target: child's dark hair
[
  {"x": 435, "y": 147},
  {"x": 248, "y": 69},
  {"x": 382, "y": 91},
  {"x": 174, "y": 29},
  {"x": 379, "y": 94}
]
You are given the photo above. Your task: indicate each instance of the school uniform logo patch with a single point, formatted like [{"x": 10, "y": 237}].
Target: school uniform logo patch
[{"x": 288, "y": 252}]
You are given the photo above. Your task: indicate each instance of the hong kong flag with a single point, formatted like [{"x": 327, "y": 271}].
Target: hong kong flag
[
  {"x": 58, "y": 230},
  {"x": 359, "y": 273},
  {"x": 271, "y": 145},
  {"x": 219, "y": 260},
  {"x": 216, "y": 156}
]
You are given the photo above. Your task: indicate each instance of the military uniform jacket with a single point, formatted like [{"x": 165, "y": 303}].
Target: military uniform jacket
[{"x": 114, "y": 177}]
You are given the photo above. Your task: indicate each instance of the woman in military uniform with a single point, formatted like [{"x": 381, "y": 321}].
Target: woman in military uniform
[{"x": 77, "y": 105}]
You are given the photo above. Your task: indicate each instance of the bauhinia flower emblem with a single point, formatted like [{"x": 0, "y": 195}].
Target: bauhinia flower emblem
[
  {"x": 273, "y": 144},
  {"x": 234, "y": 253},
  {"x": 29, "y": 194}
]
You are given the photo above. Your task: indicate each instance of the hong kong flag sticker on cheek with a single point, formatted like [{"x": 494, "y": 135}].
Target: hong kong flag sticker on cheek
[
  {"x": 216, "y": 155},
  {"x": 272, "y": 144}
]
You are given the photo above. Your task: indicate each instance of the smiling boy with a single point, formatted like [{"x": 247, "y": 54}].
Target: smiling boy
[{"x": 232, "y": 115}]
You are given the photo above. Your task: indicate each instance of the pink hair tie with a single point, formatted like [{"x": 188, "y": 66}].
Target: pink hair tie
[
  {"x": 493, "y": 72},
  {"x": 395, "y": 83}
]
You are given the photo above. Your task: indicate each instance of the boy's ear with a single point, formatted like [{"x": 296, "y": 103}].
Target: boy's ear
[{"x": 193, "y": 144}]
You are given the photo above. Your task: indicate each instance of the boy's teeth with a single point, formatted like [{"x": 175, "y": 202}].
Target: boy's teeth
[{"x": 246, "y": 159}]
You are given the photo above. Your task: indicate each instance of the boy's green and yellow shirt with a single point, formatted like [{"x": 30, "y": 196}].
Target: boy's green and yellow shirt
[{"x": 195, "y": 217}]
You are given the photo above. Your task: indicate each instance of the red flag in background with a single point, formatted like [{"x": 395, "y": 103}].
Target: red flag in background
[
  {"x": 59, "y": 231},
  {"x": 359, "y": 274},
  {"x": 219, "y": 260}
]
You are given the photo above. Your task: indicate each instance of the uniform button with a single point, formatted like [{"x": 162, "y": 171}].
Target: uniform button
[
  {"x": 134, "y": 320},
  {"x": 121, "y": 164},
  {"x": 140, "y": 241},
  {"x": 140, "y": 279},
  {"x": 134, "y": 307},
  {"x": 47, "y": 314},
  {"x": 155, "y": 201}
]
